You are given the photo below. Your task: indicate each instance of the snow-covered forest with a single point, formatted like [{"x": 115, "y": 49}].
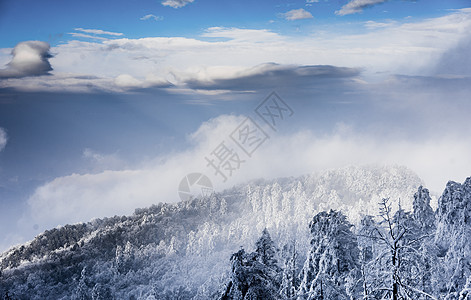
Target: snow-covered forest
[{"x": 353, "y": 233}]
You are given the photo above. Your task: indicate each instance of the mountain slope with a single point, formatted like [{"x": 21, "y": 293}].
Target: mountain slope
[{"x": 183, "y": 249}]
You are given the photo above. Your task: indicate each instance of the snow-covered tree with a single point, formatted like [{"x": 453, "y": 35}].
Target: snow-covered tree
[
  {"x": 250, "y": 279},
  {"x": 368, "y": 250},
  {"x": 332, "y": 258},
  {"x": 423, "y": 212},
  {"x": 465, "y": 293},
  {"x": 254, "y": 275},
  {"x": 82, "y": 291},
  {"x": 397, "y": 267},
  {"x": 180, "y": 250},
  {"x": 289, "y": 279},
  {"x": 266, "y": 251},
  {"x": 101, "y": 292},
  {"x": 124, "y": 259},
  {"x": 7, "y": 296}
]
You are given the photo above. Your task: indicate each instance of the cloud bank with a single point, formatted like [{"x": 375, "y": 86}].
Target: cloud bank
[
  {"x": 264, "y": 76},
  {"x": 408, "y": 48},
  {"x": 356, "y": 6},
  {"x": 80, "y": 197},
  {"x": 30, "y": 58}
]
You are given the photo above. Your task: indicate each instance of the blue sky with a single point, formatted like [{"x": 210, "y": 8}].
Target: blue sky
[
  {"x": 52, "y": 20},
  {"x": 105, "y": 106}
]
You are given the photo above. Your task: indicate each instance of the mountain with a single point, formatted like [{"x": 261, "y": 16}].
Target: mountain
[{"x": 183, "y": 250}]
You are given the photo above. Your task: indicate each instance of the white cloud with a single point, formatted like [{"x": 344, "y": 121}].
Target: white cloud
[
  {"x": 90, "y": 154},
  {"x": 400, "y": 48},
  {"x": 94, "y": 34},
  {"x": 409, "y": 48},
  {"x": 176, "y": 3},
  {"x": 61, "y": 82},
  {"x": 297, "y": 14},
  {"x": 77, "y": 197},
  {"x": 151, "y": 17},
  {"x": 356, "y": 6},
  {"x": 88, "y": 36},
  {"x": 83, "y": 83},
  {"x": 377, "y": 25},
  {"x": 98, "y": 31},
  {"x": 100, "y": 162},
  {"x": 3, "y": 138},
  {"x": 242, "y": 35},
  {"x": 30, "y": 58},
  {"x": 127, "y": 81},
  {"x": 268, "y": 75}
]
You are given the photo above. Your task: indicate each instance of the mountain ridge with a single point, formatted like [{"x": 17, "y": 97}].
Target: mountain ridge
[{"x": 184, "y": 248}]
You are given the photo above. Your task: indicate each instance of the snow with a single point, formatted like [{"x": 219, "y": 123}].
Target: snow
[{"x": 184, "y": 250}]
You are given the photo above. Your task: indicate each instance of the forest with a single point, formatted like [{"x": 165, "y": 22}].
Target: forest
[
  {"x": 264, "y": 240},
  {"x": 401, "y": 255}
]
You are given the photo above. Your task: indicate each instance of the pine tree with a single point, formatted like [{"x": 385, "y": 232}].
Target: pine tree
[
  {"x": 368, "y": 250},
  {"x": 266, "y": 251},
  {"x": 124, "y": 258},
  {"x": 254, "y": 275},
  {"x": 331, "y": 259},
  {"x": 423, "y": 212},
  {"x": 101, "y": 292},
  {"x": 289, "y": 281},
  {"x": 82, "y": 292}
]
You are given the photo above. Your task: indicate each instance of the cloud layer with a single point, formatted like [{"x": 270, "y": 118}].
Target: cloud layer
[
  {"x": 264, "y": 76},
  {"x": 80, "y": 197},
  {"x": 381, "y": 49},
  {"x": 30, "y": 58}
]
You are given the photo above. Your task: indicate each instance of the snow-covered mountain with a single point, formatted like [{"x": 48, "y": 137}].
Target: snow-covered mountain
[{"x": 183, "y": 250}]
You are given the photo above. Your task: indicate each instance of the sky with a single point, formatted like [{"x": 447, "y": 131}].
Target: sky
[{"x": 107, "y": 106}]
